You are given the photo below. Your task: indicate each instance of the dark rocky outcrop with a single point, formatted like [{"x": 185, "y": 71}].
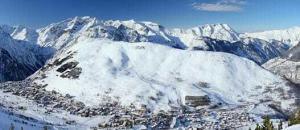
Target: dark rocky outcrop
[{"x": 195, "y": 101}]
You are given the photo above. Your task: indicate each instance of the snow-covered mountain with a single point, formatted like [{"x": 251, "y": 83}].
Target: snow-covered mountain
[
  {"x": 215, "y": 31},
  {"x": 21, "y": 33},
  {"x": 290, "y": 36},
  {"x": 156, "y": 76},
  {"x": 287, "y": 65},
  {"x": 61, "y": 34},
  {"x": 114, "y": 77},
  {"x": 58, "y": 34},
  {"x": 215, "y": 37},
  {"x": 125, "y": 74},
  {"x": 19, "y": 58}
]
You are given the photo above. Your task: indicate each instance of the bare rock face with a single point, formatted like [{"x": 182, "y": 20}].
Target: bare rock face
[
  {"x": 69, "y": 70},
  {"x": 69, "y": 65},
  {"x": 195, "y": 101}
]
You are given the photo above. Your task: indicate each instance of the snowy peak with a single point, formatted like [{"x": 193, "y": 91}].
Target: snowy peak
[
  {"x": 290, "y": 36},
  {"x": 210, "y": 28},
  {"x": 62, "y": 34},
  {"x": 211, "y": 37},
  {"x": 25, "y": 34},
  {"x": 59, "y": 34},
  {"x": 216, "y": 31},
  {"x": 21, "y": 33}
]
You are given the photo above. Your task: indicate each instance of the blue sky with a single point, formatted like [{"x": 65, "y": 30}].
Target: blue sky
[{"x": 242, "y": 15}]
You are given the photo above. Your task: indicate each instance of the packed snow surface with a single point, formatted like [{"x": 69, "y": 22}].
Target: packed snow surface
[{"x": 293, "y": 127}]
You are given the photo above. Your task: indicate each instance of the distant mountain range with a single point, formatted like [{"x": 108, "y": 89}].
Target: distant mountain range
[
  {"x": 290, "y": 36},
  {"x": 86, "y": 68}
]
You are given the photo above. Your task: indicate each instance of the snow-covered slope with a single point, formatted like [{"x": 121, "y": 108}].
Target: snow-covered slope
[
  {"x": 157, "y": 76},
  {"x": 293, "y": 127},
  {"x": 287, "y": 65},
  {"x": 290, "y": 36}
]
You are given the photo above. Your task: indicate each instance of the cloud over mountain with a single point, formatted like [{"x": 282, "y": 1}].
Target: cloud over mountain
[{"x": 221, "y": 6}]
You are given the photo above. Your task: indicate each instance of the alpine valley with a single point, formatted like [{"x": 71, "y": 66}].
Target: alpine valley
[{"x": 85, "y": 73}]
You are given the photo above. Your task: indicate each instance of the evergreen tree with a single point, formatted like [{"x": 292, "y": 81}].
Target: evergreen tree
[
  {"x": 267, "y": 124},
  {"x": 257, "y": 127},
  {"x": 280, "y": 126},
  {"x": 12, "y": 127},
  {"x": 294, "y": 119}
]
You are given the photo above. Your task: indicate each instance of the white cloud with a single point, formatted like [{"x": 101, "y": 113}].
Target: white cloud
[{"x": 221, "y": 6}]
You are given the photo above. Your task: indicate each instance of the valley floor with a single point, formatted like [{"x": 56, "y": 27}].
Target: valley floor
[{"x": 32, "y": 116}]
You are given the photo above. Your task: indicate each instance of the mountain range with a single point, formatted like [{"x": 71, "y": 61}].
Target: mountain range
[
  {"x": 290, "y": 36},
  {"x": 81, "y": 72}
]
